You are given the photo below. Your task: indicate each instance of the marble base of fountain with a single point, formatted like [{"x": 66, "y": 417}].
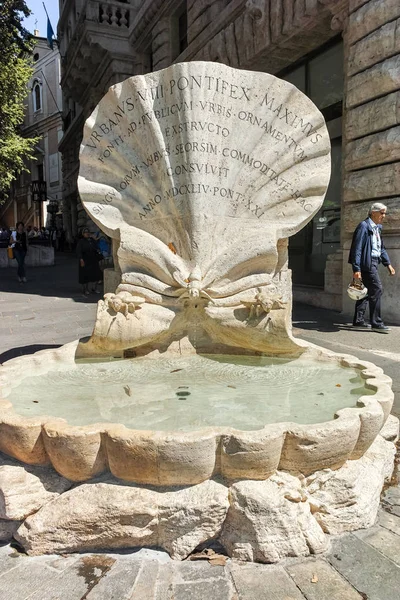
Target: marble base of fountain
[
  {"x": 265, "y": 495},
  {"x": 264, "y": 521}
]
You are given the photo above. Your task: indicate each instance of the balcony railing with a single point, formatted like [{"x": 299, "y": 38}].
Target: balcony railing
[{"x": 114, "y": 14}]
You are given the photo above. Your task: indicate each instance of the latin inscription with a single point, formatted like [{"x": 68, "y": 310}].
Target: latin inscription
[{"x": 146, "y": 115}]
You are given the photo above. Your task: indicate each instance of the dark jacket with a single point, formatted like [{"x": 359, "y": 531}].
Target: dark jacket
[
  {"x": 20, "y": 241},
  {"x": 361, "y": 248}
]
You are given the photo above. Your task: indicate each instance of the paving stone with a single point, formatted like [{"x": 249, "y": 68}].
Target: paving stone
[
  {"x": 5, "y": 331},
  {"x": 259, "y": 582},
  {"x": 317, "y": 580},
  {"x": 59, "y": 563},
  {"x": 164, "y": 586},
  {"x": 71, "y": 332},
  {"x": 393, "y": 510},
  {"x": 199, "y": 580},
  {"x": 145, "y": 585},
  {"x": 383, "y": 540},
  {"x": 8, "y": 560},
  {"x": 219, "y": 589},
  {"x": 392, "y": 496},
  {"x": 77, "y": 581},
  {"x": 389, "y": 521},
  {"x": 118, "y": 583},
  {"x": 195, "y": 570},
  {"x": 26, "y": 578},
  {"x": 17, "y": 312},
  {"x": 365, "y": 568}
]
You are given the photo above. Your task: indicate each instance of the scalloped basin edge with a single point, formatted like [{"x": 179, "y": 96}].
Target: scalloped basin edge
[{"x": 187, "y": 458}]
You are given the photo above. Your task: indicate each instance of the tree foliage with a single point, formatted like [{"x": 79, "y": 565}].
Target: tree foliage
[{"x": 16, "y": 45}]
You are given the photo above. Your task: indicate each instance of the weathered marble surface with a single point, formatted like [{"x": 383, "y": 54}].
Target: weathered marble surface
[
  {"x": 270, "y": 520},
  {"x": 7, "y": 529},
  {"x": 187, "y": 458},
  {"x": 348, "y": 499},
  {"x": 24, "y": 490},
  {"x": 200, "y": 172},
  {"x": 111, "y": 515},
  {"x": 264, "y": 521}
]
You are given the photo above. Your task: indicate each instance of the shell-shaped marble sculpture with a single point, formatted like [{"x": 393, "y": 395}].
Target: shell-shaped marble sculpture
[{"x": 198, "y": 171}]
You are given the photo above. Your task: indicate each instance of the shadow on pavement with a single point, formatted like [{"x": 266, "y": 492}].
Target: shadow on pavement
[
  {"x": 317, "y": 319},
  {"x": 321, "y": 319},
  {"x": 60, "y": 280},
  {"x": 16, "y": 352}
]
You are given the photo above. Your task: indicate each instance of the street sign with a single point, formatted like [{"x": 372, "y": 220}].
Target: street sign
[{"x": 39, "y": 191}]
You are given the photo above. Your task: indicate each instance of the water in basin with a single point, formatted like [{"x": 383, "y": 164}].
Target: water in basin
[{"x": 187, "y": 393}]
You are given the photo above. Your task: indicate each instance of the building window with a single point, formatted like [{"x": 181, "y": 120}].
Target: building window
[
  {"x": 37, "y": 96},
  {"x": 320, "y": 77}
]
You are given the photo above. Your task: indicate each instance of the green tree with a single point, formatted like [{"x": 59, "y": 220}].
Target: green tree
[{"x": 16, "y": 45}]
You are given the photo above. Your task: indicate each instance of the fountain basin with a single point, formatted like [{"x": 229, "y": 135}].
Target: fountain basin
[{"x": 188, "y": 453}]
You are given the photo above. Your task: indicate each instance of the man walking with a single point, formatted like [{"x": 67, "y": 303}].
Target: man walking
[{"x": 366, "y": 252}]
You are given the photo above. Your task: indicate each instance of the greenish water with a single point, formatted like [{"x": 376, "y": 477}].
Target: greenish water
[{"x": 187, "y": 393}]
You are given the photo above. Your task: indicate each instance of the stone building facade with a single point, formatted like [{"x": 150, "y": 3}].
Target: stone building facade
[
  {"x": 345, "y": 54},
  {"x": 43, "y": 119}
]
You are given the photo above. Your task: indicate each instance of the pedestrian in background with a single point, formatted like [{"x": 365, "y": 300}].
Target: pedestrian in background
[
  {"x": 89, "y": 258},
  {"x": 19, "y": 245},
  {"x": 366, "y": 252}
]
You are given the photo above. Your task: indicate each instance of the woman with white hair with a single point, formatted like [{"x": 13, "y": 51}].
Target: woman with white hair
[{"x": 366, "y": 252}]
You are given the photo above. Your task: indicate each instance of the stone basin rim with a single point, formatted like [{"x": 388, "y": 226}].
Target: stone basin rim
[
  {"x": 372, "y": 380},
  {"x": 82, "y": 452}
]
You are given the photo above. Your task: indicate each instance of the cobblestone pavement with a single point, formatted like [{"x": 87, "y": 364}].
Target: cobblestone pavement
[
  {"x": 47, "y": 311},
  {"x": 365, "y": 565}
]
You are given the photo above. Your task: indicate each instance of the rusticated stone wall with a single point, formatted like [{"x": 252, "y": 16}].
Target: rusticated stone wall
[
  {"x": 252, "y": 34},
  {"x": 372, "y": 130},
  {"x": 260, "y": 34},
  {"x": 201, "y": 13},
  {"x": 161, "y": 44}
]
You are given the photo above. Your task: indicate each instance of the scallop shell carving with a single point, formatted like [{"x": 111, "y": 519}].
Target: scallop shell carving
[{"x": 199, "y": 170}]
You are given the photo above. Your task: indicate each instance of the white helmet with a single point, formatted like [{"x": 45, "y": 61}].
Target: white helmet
[{"x": 357, "y": 290}]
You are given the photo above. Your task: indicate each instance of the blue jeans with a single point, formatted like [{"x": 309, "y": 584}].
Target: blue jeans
[{"x": 20, "y": 258}]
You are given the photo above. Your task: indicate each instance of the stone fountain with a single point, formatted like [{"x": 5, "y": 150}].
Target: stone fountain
[{"x": 192, "y": 414}]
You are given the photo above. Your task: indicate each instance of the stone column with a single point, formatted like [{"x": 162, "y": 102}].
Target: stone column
[{"x": 372, "y": 132}]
